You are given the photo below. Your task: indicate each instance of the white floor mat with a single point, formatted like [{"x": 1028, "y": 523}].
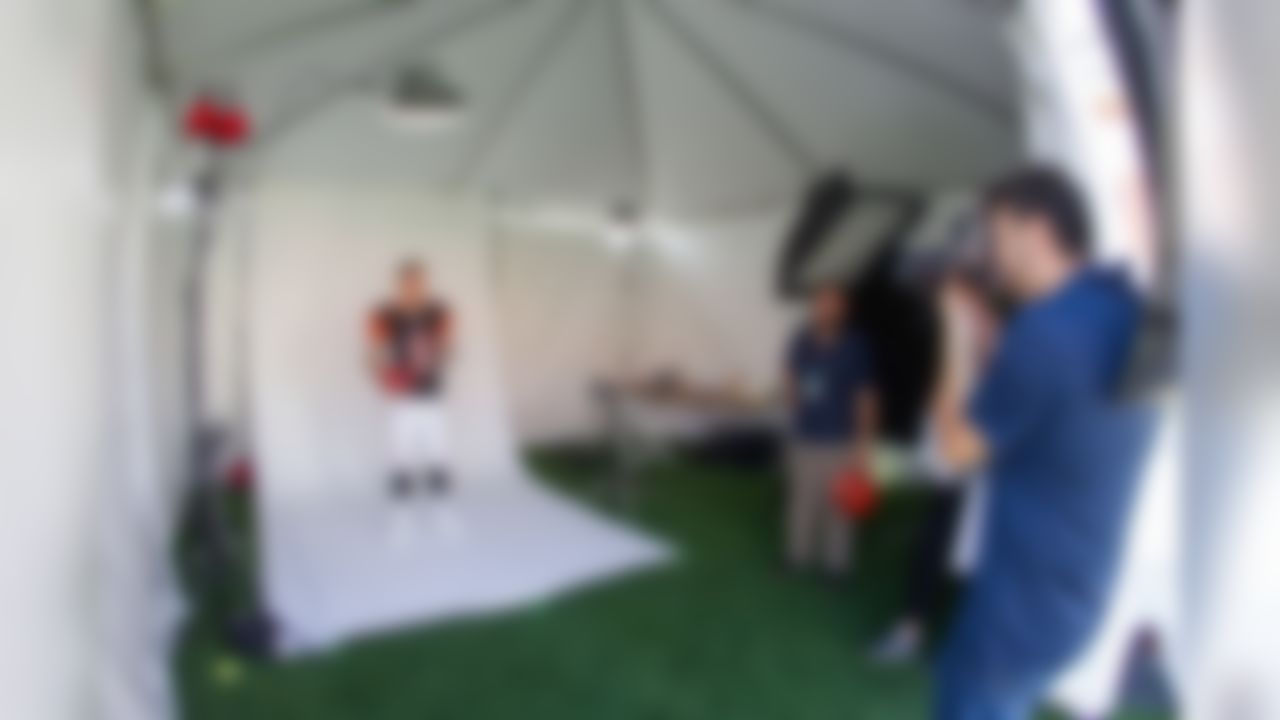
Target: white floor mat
[{"x": 339, "y": 571}]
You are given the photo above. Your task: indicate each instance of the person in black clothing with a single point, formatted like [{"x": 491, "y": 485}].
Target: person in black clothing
[{"x": 931, "y": 573}]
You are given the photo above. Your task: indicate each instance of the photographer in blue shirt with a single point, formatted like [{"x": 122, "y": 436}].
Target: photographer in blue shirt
[{"x": 1060, "y": 448}]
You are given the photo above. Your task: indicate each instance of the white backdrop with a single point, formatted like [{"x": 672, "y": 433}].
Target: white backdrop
[{"x": 322, "y": 256}]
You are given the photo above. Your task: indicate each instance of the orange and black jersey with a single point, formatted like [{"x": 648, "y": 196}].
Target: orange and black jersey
[{"x": 414, "y": 345}]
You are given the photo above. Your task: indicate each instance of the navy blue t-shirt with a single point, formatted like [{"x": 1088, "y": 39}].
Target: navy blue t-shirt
[
  {"x": 827, "y": 376},
  {"x": 1065, "y": 460}
]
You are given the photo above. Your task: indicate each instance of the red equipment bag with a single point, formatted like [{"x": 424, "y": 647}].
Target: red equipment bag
[
  {"x": 217, "y": 123},
  {"x": 856, "y": 493}
]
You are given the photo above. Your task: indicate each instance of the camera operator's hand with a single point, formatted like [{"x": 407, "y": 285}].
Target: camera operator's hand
[
  {"x": 968, "y": 330},
  {"x": 863, "y": 454}
]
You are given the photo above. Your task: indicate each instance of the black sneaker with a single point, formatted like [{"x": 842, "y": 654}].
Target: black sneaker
[
  {"x": 439, "y": 483},
  {"x": 401, "y": 486}
]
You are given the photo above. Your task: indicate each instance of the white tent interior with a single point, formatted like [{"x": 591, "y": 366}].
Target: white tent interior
[
  {"x": 708, "y": 117},
  {"x": 571, "y": 108}
]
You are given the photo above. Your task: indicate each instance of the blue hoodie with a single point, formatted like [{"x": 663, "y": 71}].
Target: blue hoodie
[{"x": 1066, "y": 457}]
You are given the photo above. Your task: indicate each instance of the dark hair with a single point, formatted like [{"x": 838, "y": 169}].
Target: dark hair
[
  {"x": 410, "y": 267},
  {"x": 1046, "y": 193}
]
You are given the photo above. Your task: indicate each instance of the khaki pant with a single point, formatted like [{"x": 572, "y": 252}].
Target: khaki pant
[{"x": 813, "y": 522}]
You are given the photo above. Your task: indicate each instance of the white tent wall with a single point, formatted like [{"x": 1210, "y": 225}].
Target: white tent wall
[
  {"x": 559, "y": 309},
  {"x": 83, "y": 538},
  {"x": 712, "y": 307},
  {"x": 576, "y": 308},
  {"x": 140, "y": 602},
  {"x": 1229, "y": 107},
  {"x": 1080, "y": 117}
]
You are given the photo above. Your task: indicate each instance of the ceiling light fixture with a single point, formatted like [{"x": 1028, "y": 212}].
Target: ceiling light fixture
[{"x": 421, "y": 100}]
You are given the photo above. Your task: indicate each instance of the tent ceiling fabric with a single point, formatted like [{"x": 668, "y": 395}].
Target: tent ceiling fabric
[{"x": 676, "y": 105}]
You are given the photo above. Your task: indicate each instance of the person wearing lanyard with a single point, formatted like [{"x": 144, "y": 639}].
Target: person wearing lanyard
[
  {"x": 1060, "y": 450},
  {"x": 833, "y": 426}
]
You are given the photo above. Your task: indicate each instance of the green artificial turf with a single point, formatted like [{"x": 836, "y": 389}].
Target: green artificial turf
[{"x": 721, "y": 634}]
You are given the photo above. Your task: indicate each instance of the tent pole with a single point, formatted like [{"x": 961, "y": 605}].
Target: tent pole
[
  {"x": 636, "y": 111},
  {"x": 241, "y": 414},
  {"x": 490, "y": 135},
  {"x": 764, "y": 116},
  {"x": 208, "y": 515},
  {"x": 496, "y": 237},
  {"x": 632, "y": 323},
  {"x": 157, "y": 57},
  {"x": 636, "y": 108}
]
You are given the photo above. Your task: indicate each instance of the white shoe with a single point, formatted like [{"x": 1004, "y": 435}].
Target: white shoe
[
  {"x": 447, "y": 523},
  {"x": 402, "y": 529},
  {"x": 901, "y": 645}
]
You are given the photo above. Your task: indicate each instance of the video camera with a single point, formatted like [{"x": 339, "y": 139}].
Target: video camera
[
  {"x": 956, "y": 250},
  {"x": 960, "y": 250}
]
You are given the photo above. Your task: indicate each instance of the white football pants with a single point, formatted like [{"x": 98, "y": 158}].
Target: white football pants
[{"x": 419, "y": 430}]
